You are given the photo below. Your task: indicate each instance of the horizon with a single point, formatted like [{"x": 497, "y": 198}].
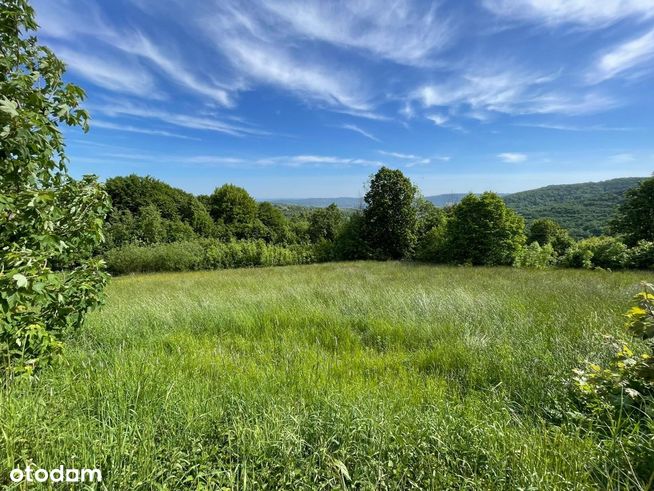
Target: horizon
[{"x": 307, "y": 99}]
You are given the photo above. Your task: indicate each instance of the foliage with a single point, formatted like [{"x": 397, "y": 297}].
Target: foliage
[
  {"x": 204, "y": 254},
  {"x": 274, "y": 222},
  {"x": 583, "y": 209},
  {"x": 232, "y": 205},
  {"x": 534, "y": 256},
  {"x": 351, "y": 241},
  {"x": 641, "y": 256},
  {"x": 635, "y": 217},
  {"x": 484, "y": 231},
  {"x": 325, "y": 223},
  {"x": 390, "y": 215},
  {"x": 623, "y": 391},
  {"x": 605, "y": 252},
  {"x": 546, "y": 231},
  {"x": 50, "y": 222}
]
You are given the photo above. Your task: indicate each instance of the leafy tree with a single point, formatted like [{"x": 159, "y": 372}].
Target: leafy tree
[
  {"x": 48, "y": 219},
  {"x": 179, "y": 231},
  {"x": 120, "y": 228},
  {"x": 325, "y": 223},
  {"x": 428, "y": 216},
  {"x": 151, "y": 226},
  {"x": 351, "y": 242},
  {"x": 483, "y": 230},
  {"x": 389, "y": 216},
  {"x": 635, "y": 218},
  {"x": 232, "y": 205},
  {"x": 546, "y": 231},
  {"x": 274, "y": 221}
]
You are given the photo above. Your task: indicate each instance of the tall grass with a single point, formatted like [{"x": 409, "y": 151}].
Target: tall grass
[{"x": 357, "y": 375}]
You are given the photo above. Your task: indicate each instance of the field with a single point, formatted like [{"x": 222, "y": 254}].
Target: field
[{"x": 357, "y": 375}]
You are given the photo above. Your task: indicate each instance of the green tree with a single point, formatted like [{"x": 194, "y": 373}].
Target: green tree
[
  {"x": 325, "y": 223},
  {"x": 635, "y": 217},
  {"x": 232, "y": 205},
  {"x": 48, "y": 219},
  {"x": 152, "y": 228},
  {"x": 390, "y": 215},
  {"x": 274, "y": 221},
  {"x": 547, "y": 231},
  {"x": 483, "y": 230}
]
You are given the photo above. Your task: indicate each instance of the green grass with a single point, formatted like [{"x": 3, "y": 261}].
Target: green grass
[{"x": 400, "y": 376}]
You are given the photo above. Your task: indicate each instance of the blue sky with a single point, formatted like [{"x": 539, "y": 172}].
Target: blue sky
[{"x": 294, "y": 98}]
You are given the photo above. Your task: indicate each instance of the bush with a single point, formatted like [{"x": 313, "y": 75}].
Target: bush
[
  {"x": 607, "y": 252},
  {"x": 642, "y": 255},
  {"x": 204, "y": 254},
  {"x": 618, "y": 400},
  {"x": 535, "y": 257}
]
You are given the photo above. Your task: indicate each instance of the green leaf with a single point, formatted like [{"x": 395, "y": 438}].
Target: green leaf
[{"x": 20, "y": 280}]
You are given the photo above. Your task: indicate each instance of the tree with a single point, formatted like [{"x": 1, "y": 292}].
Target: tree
[
  {"x": 274, "y": 221},
  {"x": 389, "y": 216},
  {"x": 483, "y": 230},
  {"x": 546, "y": 231},
  {"x": 49, "y": 220},
  {"x": 325, "y": 223},
  {"x": 152, "y": 229},
  {"x": 635, "y": 217},
  {"x": 232, "y": 205}
]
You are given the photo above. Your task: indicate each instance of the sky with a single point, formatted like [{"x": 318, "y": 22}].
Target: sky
[{"x": 294, "y": 99}]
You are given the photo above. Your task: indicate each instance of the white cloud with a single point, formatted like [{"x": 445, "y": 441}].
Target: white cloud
[
  {"x": 438, "y": 119},
  {"x": 404, "y": 156},
  {"x": 404, "y": 31},
  {"x": 118, "y": 76},
  {"x": 622, "y": 158},
  {"x": 205, "y": 123},
  {"x": 299, "y": 160},
  {"x": 624, "y": 58},
  {"x": 479, "y": 92},
  {"x": 512, "y": 157},
  {"x": 95, "y": 123},
  {"x": 356, "y": 129},
  {"x": 589, "y": 13}
]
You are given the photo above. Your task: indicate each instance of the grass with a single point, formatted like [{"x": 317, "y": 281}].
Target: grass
[{"x": 357, "y": 375}]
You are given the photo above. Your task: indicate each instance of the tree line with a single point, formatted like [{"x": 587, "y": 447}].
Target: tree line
[{"x": 396, "y": 222}]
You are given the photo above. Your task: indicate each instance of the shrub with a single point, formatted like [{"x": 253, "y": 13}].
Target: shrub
[
  {"x": 535, "y": 257},
  {"x": 204, "y": 254},
  {"x": 620, "y": 397},
  {"x": 49, "y": 222},
  {"x": 607, "y": 252},
  {"x": 642, "y": 255}
]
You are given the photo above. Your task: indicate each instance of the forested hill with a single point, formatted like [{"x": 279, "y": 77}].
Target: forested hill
[{"x": 584, "y": 209}]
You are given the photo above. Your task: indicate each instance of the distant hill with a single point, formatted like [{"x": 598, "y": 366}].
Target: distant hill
[
  {"x": 321, "y": 202},
  {"x": 584, "y": 209}
]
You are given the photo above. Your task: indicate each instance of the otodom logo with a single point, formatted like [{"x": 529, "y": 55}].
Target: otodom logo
[{"x": 60, "y": 474}]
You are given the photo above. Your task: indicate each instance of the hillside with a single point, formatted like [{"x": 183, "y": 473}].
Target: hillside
[{"x": 585, "y": 209}]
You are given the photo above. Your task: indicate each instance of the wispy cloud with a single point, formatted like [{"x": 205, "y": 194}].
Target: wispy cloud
[
  {"x": 403, "y": 156},
  {"x": 285, "y": 160},
  {"x": 412, "y": 160},
  {"x": 477, "y": 92},
  {"x": 589, "y": 13},
  {"x": 575, "y": 128},
  {"x": 512, "y": 157},
  {"x": 95, "y": 123},
  {"x": 361, "y": 131},
  {"x": 403, "y": 31},
  {"x": 624, "y": 59},
  {"x": 118, "y": 76},
  {"x": 205, "y": 123},
  {"x": 622, "y": 158}
]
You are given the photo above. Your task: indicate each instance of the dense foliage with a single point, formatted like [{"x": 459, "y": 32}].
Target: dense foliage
[
  {"x": 50, "y": 222},
  {"x": 483, "y": 230},
  {"x": 635, "y": 217},
  {"x": 584, "y": 209},
  {"x": 619, "y": 397},
  {"x": 390, "y": 215}
]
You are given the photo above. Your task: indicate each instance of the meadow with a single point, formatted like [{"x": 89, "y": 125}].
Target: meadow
[{"x": 343, "y": 375}]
